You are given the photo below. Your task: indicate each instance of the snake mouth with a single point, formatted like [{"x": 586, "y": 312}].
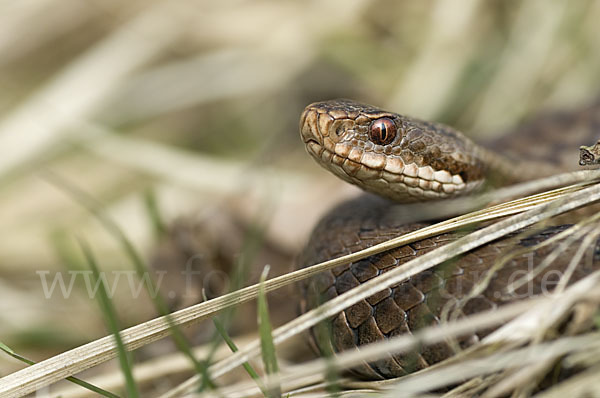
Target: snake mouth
[
  {"x": 314, "y": 148},
  {"x": 388, "y": 176}
]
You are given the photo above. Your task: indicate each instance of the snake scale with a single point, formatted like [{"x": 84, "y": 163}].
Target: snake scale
[{"x": 398, "y": 159}]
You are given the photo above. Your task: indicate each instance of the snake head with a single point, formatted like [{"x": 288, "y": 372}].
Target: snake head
[{"x": 392, "y": 155}]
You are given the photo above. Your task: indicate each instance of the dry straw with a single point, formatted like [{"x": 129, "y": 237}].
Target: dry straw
[{"x": 534, "y": 208}]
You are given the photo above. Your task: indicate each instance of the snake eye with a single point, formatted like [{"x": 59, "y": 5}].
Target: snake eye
[{"x": 382, "y": 131}]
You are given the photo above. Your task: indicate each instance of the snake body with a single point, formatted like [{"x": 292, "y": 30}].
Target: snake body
[{"x": 402, "y": 159}]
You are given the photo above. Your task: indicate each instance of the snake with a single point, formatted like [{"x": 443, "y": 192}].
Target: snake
[{"x": 396, "y": 160}]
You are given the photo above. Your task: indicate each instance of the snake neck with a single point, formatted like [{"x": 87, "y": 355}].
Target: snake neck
[
  {"x": 503, "y": 169},
  {"x": 545, "y": 145}
]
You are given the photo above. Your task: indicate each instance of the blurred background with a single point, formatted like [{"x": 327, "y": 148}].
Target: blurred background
[{"x": 179, "y": 119}]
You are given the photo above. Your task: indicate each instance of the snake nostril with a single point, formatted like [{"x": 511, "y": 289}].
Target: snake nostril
[
  {"x": 339, "y": 129},
  {"x": 309, "y": 126}
]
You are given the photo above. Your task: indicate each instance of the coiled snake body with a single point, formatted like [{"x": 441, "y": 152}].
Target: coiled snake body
[{"x": 406, "y": 160}]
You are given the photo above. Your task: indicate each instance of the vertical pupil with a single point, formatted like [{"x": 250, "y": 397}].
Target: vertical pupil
[{"x": 383, "y": 130}]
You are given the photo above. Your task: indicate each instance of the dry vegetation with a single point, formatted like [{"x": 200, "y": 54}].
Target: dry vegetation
[{"x": 178, "y": 120}]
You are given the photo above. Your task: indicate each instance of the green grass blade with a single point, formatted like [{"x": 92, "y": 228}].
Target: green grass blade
[
  {"x": 269, "y": 355},
  {"x": 13, "y": 354},
  {"x": 72, "y": 379},
  {"x": 231, "y": 344},
  {"x": 323, "y": 337},
  {"x": 95, "y": 208},
  {"x": 151, "y": 203},
  {"x": 109, "y": 312},
  {"x": 68, "y": 253},
  {"x": 253, "y": 241}
]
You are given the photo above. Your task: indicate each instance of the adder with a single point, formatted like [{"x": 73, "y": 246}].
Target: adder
[{"x": 398, "y": 159}]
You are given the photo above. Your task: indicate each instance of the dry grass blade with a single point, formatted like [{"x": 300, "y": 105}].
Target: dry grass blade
[
  {"x": 403, "y": 343},
  {"x": 570, "y": 237},
  {"x": 534, "y": 47},
  {"x": 449, "y": 207},
  {"x": 181, "y": 167},
  {"x": 157, "y": 368},
  {"x": 87, "y": 385},
  {"x": 567, "y": 202},
  {"x": 442, "y": 374},
  {"x": 493, "y": 363},
  {"x": 554, "y": 307},
  {"x": 535, "y": 323},
  {"x": 43, "y": 120},
  {"x": 83, "y": 357},
  {"x": 433, "y": 70},
  {"x": 585, "y": 384},
  {"x": 241, "y": 72}
]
